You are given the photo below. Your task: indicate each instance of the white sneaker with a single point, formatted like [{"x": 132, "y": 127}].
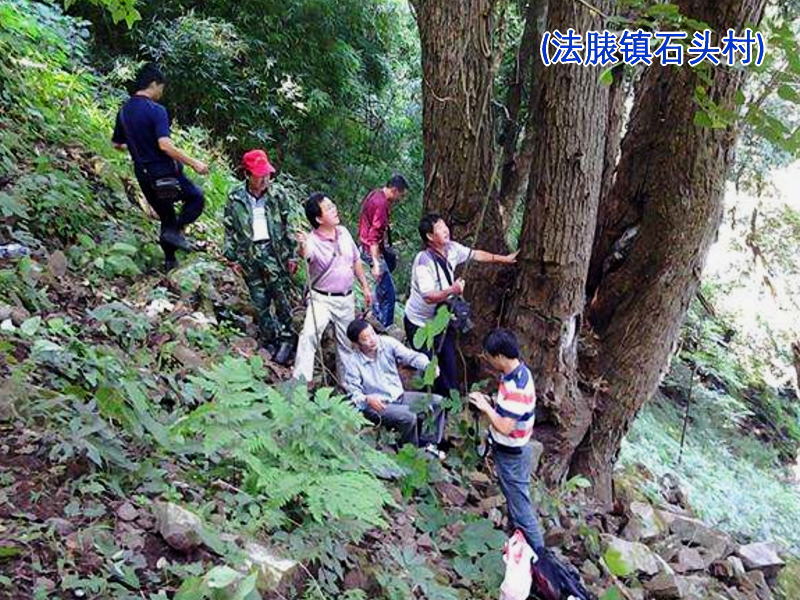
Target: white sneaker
[{"x": 432, "y": 449}]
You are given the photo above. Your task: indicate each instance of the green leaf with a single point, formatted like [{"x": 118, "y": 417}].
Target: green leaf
[
  {"x": 466, "y": 568},
  {"x": 9, "y": 551},
  {"x": 221, "y": 577},
  {"x": 615, "y": 563},
  {"x": 430, "y": 372},
  {"x": 141, "y": 408},
  {"x": 611, "y": 594},
  {"x": 788, "y": 93},
  {"x": 577, "y": 482},
  {"x": 479, "y": 537},
  {"x": 607, "y": 76},
  {"x": 247, "y": 585},
  {"x": 11, "y": 207},
  {"x": 46, "y": 346},
  {"x": 123, "y": 248},
  {"x": 420, "y": 335},
  {"x": 702, "y": 119},
  {"x": 30, "y": 326},
  {"x": 192, "y": 588}
]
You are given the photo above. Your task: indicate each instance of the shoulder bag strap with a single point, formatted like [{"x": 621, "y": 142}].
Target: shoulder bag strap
[{"x": 441, "y": 262}]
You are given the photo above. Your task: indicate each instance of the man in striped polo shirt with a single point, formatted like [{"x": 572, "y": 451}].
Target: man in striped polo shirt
[{"x": 511, "y": 423}]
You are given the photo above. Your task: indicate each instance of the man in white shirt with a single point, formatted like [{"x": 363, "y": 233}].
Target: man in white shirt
[
  {"x": 375, "y": 387},
  {"x": 433, "y": 281}
]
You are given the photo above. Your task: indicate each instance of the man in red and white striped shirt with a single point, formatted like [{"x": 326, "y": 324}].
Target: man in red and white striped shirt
[{"x": 511, "y": 423}]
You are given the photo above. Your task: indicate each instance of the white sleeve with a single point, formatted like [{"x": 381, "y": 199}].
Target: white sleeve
[
  {"x": 425, "y": 279},
  {"x": 458, "y": 253}
]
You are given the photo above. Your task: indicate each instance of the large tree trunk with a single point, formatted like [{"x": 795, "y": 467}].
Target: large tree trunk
[
  {"x": 556, "y": 240},
  {"x": 459, "y": 63},
  {"x": 674, "y": 171}
]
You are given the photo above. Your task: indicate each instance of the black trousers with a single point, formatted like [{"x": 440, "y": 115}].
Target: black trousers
[
  {"x": 445, "y": 348},
  {"x": 191, "y": 197}
]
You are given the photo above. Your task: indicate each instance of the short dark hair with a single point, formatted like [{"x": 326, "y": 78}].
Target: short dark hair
[
  {"x": 313, "y": 208},
  {"x": 501, "y": 342},
  {"x": 397, "y": 181},
  {"x": 148, "y": 74},
  {"x": 355, "y": 328},
  {"x": 426, "y": 224}
]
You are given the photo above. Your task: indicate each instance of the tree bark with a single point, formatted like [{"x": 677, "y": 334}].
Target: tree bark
[
  {"x": 516, "y": 159},
  {"x": 458, "y": 65},
  {"x": 556, "y": 240},
  {"x": 613, "y": 217},
  {"x": 675, "y": 172}
]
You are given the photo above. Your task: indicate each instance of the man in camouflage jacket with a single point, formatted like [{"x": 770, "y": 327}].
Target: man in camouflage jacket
[{"x": 257, "y": 240}]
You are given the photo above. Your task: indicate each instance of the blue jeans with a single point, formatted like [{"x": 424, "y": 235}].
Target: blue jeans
[
  {"x": 384, "y": 295},
  {"x": 514, "y": 473}
]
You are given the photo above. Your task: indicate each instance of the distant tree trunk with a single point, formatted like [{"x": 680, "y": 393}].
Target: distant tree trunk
[
  {"x": 459, "y": 63},
  {"x": 556, "y": 240},
  {"x": 675, "y": 172},
  {"x": 612, "y": 217},
  {"x": 516, "y": 159}
]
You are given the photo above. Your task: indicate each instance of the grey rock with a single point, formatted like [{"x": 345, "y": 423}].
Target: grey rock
[
  {"x": 761, "y": 555},
  {"x": 57, "y": 264},
  {"x": 689, "y": 559},
  {"x": 693, "y": 531},
  {"x": 537, "y": 449},
  {"x": 754, "y": 583},
  {"x": 272, "y": 570},
  {"x": 638, "y": 557},
  {"x": 590, "y": 571},
  {"x": 60, "y": 526},
  {"x": 19, "y": 315},
  {"x": 665, "y": 586},
  {"x": 179, "y": 527},
  {"x": 651, "y": 526},
  {"x": 127, "y": 512}
]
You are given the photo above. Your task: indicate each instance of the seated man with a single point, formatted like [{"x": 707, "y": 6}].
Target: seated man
[
  {"x": 374, "y": 385},
  {"x": 511, "y": 423}
]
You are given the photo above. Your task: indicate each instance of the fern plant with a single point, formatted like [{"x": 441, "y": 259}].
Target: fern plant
[{"x": 296, "y": 451}]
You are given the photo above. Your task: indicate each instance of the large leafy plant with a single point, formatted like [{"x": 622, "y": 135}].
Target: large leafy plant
[{"x": 297, "y": 452}]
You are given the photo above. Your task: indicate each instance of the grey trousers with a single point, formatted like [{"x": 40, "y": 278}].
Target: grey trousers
[{"x": 418, "y": 417}]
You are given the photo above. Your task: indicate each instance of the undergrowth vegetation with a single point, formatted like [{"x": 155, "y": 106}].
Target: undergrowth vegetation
[{"x": 741, "y": 439}]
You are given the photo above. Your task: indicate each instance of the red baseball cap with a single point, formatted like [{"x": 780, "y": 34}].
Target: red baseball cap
[{"x": 257, "y": 163}]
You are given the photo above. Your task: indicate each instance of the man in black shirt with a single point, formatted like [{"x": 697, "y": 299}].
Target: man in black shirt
[{"x": 143, "y": 129}]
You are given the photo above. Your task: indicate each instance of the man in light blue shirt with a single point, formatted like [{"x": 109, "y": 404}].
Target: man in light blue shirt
[{"x": 375, "y": 387}]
